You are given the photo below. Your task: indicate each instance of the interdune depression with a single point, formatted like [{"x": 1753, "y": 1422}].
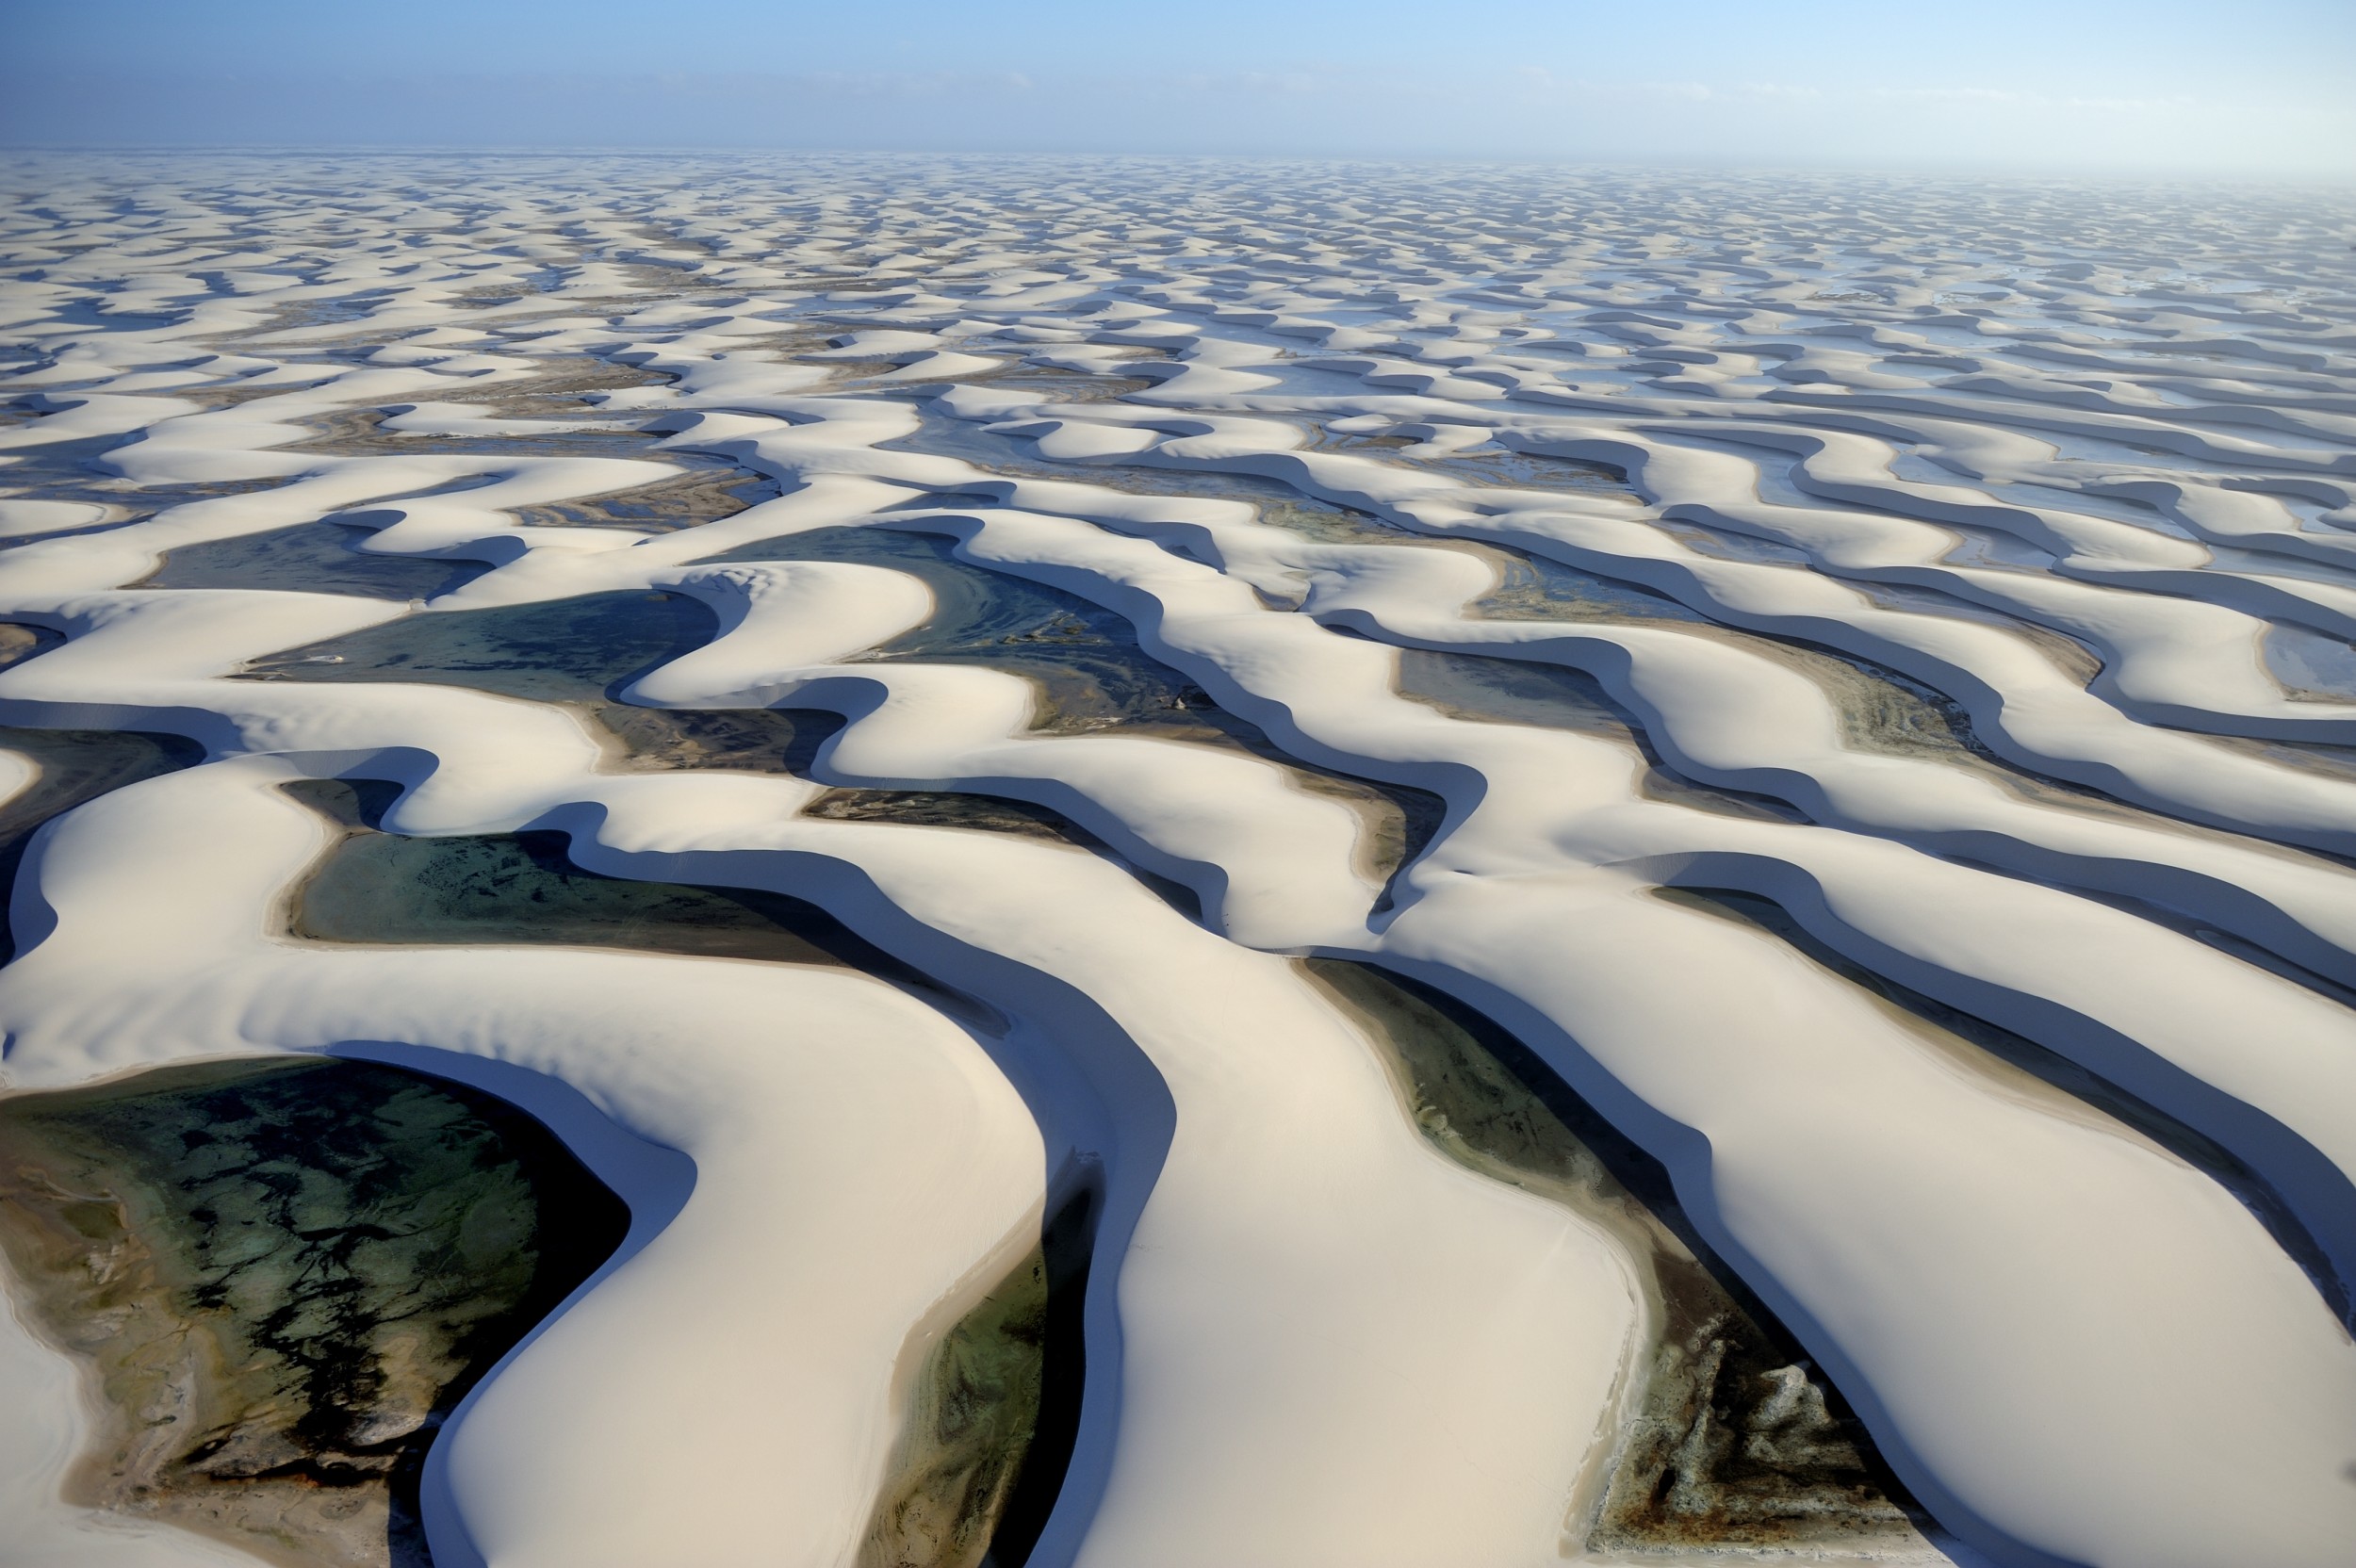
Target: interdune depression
[{"x": 1845, "y": 685}]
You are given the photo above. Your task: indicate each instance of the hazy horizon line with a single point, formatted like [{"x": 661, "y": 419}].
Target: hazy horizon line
[{"x": 1960, "y": 168}]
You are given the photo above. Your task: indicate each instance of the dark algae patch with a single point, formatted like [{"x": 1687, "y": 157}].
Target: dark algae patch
[
  {"x": 1729, "y": 1442},
  {"x": 512, "y": 889},
  {"x": 562, "y": 650},
  {"x": 970, "y": 1424},
  {"x": 994, "y": 1413},
  {"x": 314, "y": 558},
  {"x": 1511, "y": 690},
  {"x": 1520, "y": 470},
  {"x": 283, "y": 1275},
  {"x": 1067, "y": 1250},
  {"x": 504, "y": 889}
]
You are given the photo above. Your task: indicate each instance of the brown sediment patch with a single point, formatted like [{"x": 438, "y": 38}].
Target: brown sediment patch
[
  {"x": 750, "y": 739},
  {"x": 1879, "y": 711},
  {"x": 1328, "y": 440},
  {"x": 1328, "y": 524},
  {"x": 1725, "y": 1441},
  {"x": 1485, "y": 687},
  {"x": 19, "y": 642},
  {"x": 1496, "y": 469},
  {"x": 1726, "y": 544},
  {"x": 282, "y": 1275},
  {"x": 945, "y": 809},
  {"x": 845, "y": 372},
  {"x": 1886, "y": 713},
  {"x": 560, "y": 379},
  {"x": 1396, "y": 822},
  {"x": 708, "y": 491},
  {"x": 1084, "y": 661}
]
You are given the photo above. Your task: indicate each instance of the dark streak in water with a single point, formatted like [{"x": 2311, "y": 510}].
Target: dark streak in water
[{"x": 1519, "y": 470}]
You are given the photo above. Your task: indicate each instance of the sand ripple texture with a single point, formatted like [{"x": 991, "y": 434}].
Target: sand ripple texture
[{"x": 1853, "y": 675}]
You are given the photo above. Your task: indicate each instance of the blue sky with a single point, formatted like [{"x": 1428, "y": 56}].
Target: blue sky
[{"x": 2258, "y": 87}]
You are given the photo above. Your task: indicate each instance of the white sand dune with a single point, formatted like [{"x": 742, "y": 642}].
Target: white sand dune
[
  {"x": 884, "y": 1123},
  {"x": 1968, "y": 584}
]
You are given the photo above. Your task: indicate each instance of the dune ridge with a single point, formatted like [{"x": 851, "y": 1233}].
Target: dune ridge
[{"x": 1970, "y": 580}]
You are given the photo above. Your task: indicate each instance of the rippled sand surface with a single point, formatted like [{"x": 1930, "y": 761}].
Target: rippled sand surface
[{"x": 1324, "y": 864}]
